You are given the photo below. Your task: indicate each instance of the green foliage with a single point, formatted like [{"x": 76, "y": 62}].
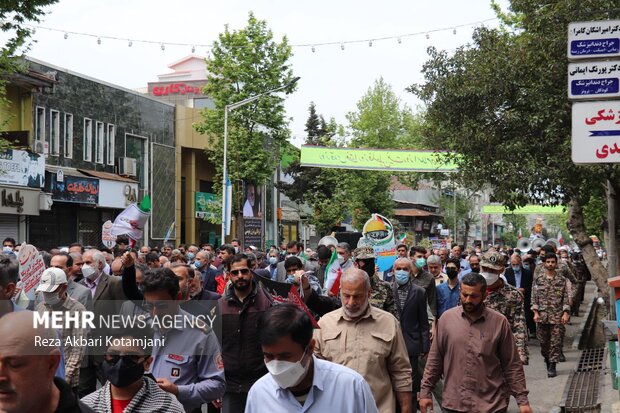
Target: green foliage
[
  {"x": 465, "y": 209},
  {"x": 245, "y": 63},
  {"x": 595, "y": 214},
  {"x": 501, "y": 102}
]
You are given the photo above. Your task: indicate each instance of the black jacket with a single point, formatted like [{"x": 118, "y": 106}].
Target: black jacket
[
  {"x": 526, "y": 280},
  {"x": 414, "y": 319},
  {"x": 68, "y": 402}
]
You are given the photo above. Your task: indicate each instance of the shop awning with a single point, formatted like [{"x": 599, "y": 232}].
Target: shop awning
[
  {"x": 65, "y": 170},
  {"x": 106, "y": 175},
  {"x": 414, "y": 212}
]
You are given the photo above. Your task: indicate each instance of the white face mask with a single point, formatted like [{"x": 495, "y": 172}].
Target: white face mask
[
  {"x": 340, "y": 259},
  {"x": 89, "y": 272},
  {"x": 51, "y": 298},
  {"x": 490, "y": 277},
  {"x": 287, "y": 374}
]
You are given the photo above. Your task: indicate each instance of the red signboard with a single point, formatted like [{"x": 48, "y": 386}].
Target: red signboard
[{"x": 177, "y": 89}]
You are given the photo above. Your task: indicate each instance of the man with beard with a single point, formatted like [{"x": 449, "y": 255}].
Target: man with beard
[
  {"x": 75, "y": 271},
  {"x": 369, "y": 341},
  {"x": 474, "y": 263},
  {"x": 505, "y": 299},
  {"x": 381, "y": 295},
  {"x": 474, "y": 350},
  {"x": 241, "y": 305}
]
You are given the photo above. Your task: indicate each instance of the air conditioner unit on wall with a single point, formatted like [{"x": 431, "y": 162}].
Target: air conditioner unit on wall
[
  {"x": 41, "y": 147},
  {"x": 127, "y": 166}
]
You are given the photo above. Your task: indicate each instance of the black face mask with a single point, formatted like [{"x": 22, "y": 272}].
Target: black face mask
[
  {"x": 476, "y": 270},
  {"x": 368, "y": 267},
  {"x": 122, "y": 373},
  {"x": 452, "y": 273}
]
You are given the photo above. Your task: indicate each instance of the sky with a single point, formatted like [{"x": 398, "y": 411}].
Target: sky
[{"x": 334, "y": 79}]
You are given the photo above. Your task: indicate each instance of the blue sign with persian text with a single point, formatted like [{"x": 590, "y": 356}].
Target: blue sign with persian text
[
  {"x": 595, "y": 87},
  {"x": 595, "y": 47}
]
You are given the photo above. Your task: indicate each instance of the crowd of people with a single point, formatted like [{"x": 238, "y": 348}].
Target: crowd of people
[{"x": 451, "y": 325}]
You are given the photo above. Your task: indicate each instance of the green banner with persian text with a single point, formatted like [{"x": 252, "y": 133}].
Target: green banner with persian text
[
  {"x": 375, "y": 159},
  {"x": 526, "y": 210}
]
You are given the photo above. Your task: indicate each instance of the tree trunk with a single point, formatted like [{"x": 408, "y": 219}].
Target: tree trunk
[{"x": 577, "y": 229}]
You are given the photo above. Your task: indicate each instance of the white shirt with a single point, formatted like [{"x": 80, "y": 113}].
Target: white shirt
[{"x": 335, "y": 388}]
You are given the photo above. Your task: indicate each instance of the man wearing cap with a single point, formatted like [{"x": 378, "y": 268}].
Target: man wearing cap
[
  {"x": 53, "y": 288},
  {"x": 382, "y": 295},
  {"x": 505, "y": 299},
  {"x": 75, "y": 290}
]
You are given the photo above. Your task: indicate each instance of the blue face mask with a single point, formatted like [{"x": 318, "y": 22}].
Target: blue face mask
[
  {"x": 273, "y": 260},
  {"x": 191, "y": 256},
  {"x": 402, "y": 277},
  {"x": 515, "y": 267},
  {"x": 526, "y": 265},
  {"x": 420, "y": 262},
  {"x": 290, "y": 279},
  {"x": 197, "y": 264}
]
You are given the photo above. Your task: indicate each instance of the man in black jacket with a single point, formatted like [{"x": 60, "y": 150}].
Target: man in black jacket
[
  {"x": 522, "y": 280},
  {"x": 410, "y": 300}
]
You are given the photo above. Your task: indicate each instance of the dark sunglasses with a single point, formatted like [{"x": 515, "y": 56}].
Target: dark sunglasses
[
  {"x": 131, "y": 359},
  {"x": 244, "y": 271}
]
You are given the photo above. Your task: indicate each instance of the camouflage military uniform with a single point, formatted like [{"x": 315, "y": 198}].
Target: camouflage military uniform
[
  {"x": 508, "y": 301},
  {"x": 382, "y": 296},
  {"x": 550, "y": 299}
]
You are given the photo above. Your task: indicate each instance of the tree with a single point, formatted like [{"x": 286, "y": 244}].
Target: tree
[
  {"x": 14, "y": 15},
  {"x": 501, "y": 103},
  {"x": 464, "y": 208},
  {"x": 246, "y": 63}
]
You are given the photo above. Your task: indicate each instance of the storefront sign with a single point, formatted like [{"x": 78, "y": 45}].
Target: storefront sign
[
  {"x": 177, "y": 89},
  {"x": 206, "y": 205},
  {"x": 117, "y": 194},
  {"x": 107, "y": 238},
  {"x": 75, "y": 189},
  {"x": 22, "y": 168},
  {"x": 252, "y": 232},
  {"x": 19, "y": 201}
]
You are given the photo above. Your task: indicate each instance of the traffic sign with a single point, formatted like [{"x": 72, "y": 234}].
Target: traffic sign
[
  {"x": 596, "y": 132},
  {"x": 588, "y": 80},
  {"x": 594, "y": 39}
]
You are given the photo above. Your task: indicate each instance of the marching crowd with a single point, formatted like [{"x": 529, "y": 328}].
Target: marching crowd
[{"x": 446, "y": 324}]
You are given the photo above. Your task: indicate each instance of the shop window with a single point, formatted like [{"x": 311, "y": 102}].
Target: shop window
[
  {"x": 109, "y": 148},
  {"x": 88, "y": 139},
  {"x": 68, "y": 136}
]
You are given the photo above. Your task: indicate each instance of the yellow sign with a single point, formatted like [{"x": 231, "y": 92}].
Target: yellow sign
[
  {"x": 375, "y": 159},
  {"x": 526, "y": 210}
]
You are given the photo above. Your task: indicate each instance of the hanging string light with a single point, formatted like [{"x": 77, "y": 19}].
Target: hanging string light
[{"x": 313, "y": 46}]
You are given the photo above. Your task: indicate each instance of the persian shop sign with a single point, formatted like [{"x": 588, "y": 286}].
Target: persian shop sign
[
  {"x": 596, "y": 132},
  {"x": 76, "y": 189},
  {"x": 177, "y": 89},
  {"x": 375, "y": 159}
]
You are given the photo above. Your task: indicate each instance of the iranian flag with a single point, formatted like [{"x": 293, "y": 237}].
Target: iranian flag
[{"x": 332, "y": 274}]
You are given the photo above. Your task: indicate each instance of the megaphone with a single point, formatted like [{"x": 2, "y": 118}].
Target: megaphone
[
  {"x": 524, "y": 245},
  {"x": 538, "y": 243}
]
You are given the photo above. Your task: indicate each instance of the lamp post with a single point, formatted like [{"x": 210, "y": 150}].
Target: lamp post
[{"x": 228, "y": 108}]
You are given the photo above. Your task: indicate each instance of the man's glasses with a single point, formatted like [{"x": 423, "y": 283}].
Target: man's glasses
[
  {"x": 127, "y": 358},
  {"x": 244, "y": 271},
  {"x": 150, "y": 306}
]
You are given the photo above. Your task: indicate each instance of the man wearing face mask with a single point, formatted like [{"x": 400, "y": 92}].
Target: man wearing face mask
[
  {"x": 411, "y": 305},
  {"x": 448, "y": 293},
  {"x": 202, "y": 264},
  {"x": 127, "y": 388},
  {"x": 505, "y": 299},
  {"x": 273, "y": 264},
  {"x": 382, "y": 295},
  {"x": 108, "y": 297},
  {"x": 292, "y": 248},
  {"x": 423, "y": 278},
  {"x": 343, "y": 250},
  {"x": 298, "y": 381},
  {"x": 53, "y": 289},
  {"x": 368, "y": 340},
  {"x": 521, "y": 278}
]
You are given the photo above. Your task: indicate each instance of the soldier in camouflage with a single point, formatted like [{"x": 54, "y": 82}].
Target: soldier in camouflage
[
  {"x": 565, "y": 271},
  {"x": 551, "y": 311},
  {"x": 505, "y": 299},
  {"x": 382, "y": 295}
]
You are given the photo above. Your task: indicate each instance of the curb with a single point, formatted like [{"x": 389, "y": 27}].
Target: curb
[{"x": 586, "y": 320}]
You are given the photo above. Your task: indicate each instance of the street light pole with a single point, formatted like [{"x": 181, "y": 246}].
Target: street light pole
[{"x": 227, "y": 108}]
